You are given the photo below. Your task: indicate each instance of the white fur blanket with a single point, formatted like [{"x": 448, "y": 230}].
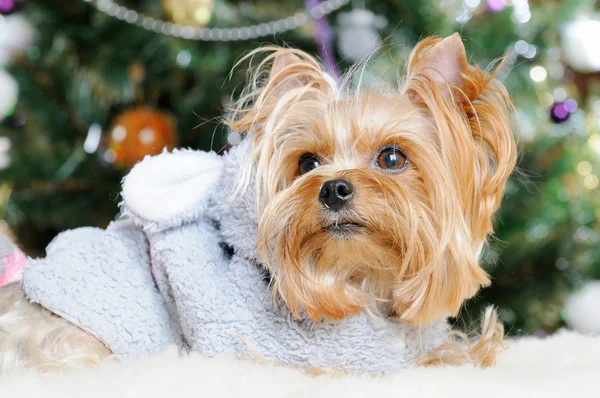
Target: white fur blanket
[{"x": 564, "y": 365}]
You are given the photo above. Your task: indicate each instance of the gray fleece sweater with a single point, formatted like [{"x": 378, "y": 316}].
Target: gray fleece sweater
[{"x": 177, "y": 268}]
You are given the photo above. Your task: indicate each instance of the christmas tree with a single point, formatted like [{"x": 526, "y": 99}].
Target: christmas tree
[{"x": 89, "y": 87}]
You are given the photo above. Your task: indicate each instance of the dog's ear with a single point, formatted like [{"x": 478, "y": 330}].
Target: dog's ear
[
  {"x": 442, "y": 60},
  {"x": 284, "y": 77},
  {"x": 286, "y": 74},
  {"x": 470, "y": 110}
]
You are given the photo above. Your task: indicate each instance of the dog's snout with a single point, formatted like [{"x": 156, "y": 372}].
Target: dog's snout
[{"x": 336, "y": 194}]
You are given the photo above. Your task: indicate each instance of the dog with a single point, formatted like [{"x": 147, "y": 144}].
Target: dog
[{"x": 375, "y": 201}]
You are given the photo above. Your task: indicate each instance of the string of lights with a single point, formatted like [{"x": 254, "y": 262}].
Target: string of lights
[{"x": 189, "y": 32}]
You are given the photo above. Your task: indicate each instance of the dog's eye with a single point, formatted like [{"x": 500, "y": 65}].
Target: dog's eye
[
  {"x": 392, "y": 159},
  {"x": 308, "y": 162}
]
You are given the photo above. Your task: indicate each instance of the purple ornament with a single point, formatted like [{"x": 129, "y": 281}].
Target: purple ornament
[
  {"x": 7, "y": 6},
  {"x": 495, "y": 5},
  {"x": 561, "y": 111}
]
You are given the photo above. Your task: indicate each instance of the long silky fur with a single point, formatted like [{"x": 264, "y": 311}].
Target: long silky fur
[{"x": 435, "y": 227}]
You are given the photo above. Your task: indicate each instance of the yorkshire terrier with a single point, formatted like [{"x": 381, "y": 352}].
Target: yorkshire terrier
[{"x": 377, "y": 201}]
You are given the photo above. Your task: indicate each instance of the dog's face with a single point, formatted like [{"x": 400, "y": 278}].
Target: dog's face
[{"x": 378, "y": 201}]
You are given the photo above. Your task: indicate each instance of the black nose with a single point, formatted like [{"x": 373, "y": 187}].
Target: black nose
[{"x": 335, "y": 194}]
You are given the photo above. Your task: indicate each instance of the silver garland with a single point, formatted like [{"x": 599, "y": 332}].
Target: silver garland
[{"x": 188, "y": 32}]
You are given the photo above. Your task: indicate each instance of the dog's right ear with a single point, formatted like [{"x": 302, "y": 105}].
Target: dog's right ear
[
  {"x": 286, "y": 74},
  {"x": 283, "y": 78}
]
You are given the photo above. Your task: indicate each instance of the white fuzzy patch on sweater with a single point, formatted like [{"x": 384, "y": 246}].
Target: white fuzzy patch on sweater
[
  {"x": 163, "y": 186},
  {"x": 564, "y": 365}
]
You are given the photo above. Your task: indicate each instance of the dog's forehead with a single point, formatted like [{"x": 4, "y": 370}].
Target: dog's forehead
[{"x": 359, "y": 126}]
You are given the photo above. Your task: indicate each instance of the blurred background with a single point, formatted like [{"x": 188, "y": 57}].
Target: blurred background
[{"x": 89, "y": 87}]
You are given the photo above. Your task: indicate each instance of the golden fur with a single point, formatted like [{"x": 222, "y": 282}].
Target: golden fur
[
  {"x": 33, "y": 337},
  {"x": 423, "y": 229}
]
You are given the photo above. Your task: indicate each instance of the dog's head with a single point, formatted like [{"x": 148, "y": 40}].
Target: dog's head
[{"x": 377, "y": 200}]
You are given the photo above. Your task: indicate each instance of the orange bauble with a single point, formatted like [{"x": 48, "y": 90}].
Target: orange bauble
[{"x": 140, "y": 132}]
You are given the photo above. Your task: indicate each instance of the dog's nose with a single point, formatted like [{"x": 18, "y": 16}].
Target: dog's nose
[{"x": 335, "y": 194}]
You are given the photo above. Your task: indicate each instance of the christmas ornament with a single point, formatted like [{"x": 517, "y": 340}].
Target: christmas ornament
[
  {"x": 358, "y": 33},
  {"x": 7, "y": 6},
  {"x": 581, "y": 52},
  {"x": 561, "y": 111},
  {"x": 16, "y": 36},
  {"x": 189, "y": 12},
  {"x": 579, "y": 43},
  {"x": 10, "y": 92},
  {"x": 137, "y": 133},
  {"x": 581, "y": 310}
]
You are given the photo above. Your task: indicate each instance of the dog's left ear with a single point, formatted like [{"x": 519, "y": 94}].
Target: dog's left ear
[
  {"x": 469, "y": 108},
  {"x": 444, "y": 61}
]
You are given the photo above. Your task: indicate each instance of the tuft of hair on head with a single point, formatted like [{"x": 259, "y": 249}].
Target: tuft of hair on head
[
  {"x": 471, "y": 113},
  {"x": 282, "y": 78}
]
